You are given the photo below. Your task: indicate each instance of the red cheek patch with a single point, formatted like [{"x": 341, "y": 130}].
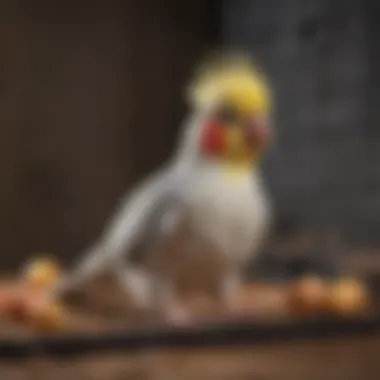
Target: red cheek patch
[{"x": 212, "y": 139}]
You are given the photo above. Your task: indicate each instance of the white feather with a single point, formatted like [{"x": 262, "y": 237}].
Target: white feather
[{"x": 221, "y": 225}]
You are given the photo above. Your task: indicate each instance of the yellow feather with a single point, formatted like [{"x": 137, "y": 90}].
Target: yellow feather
[
  {"x": 237, "y": 158},
  {"x": 234, "y": 79}
]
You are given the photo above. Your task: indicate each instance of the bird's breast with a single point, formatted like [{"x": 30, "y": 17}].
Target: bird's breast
[
  {"x": 217, "y": 229},
  {"x": 226, "y": 213}
]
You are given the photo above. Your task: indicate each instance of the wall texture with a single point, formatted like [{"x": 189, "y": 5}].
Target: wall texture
[
  {"x": 321, "y": 58},
  {"x": 90, "y": 100}
]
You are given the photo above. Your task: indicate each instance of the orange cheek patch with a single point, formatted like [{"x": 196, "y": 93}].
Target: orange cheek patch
[{"x": 213, "y": 139}]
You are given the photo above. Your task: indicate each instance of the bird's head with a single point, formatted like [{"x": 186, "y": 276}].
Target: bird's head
[{"x": 235, "y": 99}]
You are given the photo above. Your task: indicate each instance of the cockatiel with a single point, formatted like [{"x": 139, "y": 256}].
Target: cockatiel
[{"x": 200, "y": 218}]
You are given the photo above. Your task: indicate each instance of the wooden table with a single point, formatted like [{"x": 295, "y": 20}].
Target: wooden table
[
  {"x": 354, "y": 358},
  {"x": 348, "y": 359}
]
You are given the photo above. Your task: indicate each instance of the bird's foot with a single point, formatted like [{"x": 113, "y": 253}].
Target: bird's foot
[
  {"x": 178, "y": 314},
  {"x": 232, "y": 309}
]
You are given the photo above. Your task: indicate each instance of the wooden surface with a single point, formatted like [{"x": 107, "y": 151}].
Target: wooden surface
[
  {"x": 348, "y": 359},
  {"x": 345, "y": 358}
]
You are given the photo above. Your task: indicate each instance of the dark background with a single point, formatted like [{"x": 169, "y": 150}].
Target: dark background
[
  {"x": 322, "y": 58},
  {"x": 91, "y": 100}
]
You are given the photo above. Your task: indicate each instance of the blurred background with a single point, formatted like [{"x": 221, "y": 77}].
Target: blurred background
[{"x": 91, "y": 100}]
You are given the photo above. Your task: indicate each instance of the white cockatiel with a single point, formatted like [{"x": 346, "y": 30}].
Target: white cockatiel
[{"x": 198, "y": 220}]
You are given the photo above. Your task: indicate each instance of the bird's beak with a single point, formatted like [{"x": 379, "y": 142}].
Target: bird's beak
[{"x": 258, "y": 132}]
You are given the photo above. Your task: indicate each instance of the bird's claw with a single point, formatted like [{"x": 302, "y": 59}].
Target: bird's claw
[{"x": 178, "y": 315}]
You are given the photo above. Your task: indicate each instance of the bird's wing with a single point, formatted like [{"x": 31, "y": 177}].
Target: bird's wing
[{"x": 136, "y": 218}]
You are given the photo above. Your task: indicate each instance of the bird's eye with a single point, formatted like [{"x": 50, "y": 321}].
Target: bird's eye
[{"x": 226, "y": 114}]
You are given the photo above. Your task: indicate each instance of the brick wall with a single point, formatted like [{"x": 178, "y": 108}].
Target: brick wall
[{"x": 320, "y": 58}]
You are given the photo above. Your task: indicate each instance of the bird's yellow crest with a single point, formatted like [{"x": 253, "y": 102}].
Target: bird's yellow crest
[{"x": 234, "y": 79}]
